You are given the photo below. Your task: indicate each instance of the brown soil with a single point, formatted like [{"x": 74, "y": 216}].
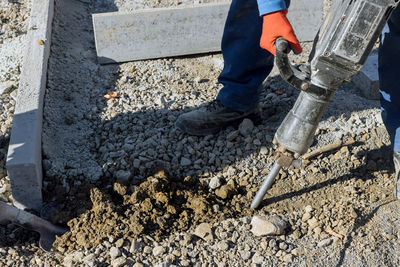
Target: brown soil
[
  {"x": 155, "y": 207},
  {"x": 162, "y": 205}
]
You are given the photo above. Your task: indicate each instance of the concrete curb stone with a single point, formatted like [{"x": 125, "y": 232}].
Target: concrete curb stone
[{"x": 24, "y": 159}]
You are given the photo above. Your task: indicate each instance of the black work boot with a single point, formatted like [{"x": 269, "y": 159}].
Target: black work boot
[
  {"x": 396, "y": 160},
  {"x": 213, "y": 118}
]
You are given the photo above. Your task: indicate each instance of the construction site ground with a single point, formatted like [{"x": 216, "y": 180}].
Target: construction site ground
[{"x": 135, "y": 191}]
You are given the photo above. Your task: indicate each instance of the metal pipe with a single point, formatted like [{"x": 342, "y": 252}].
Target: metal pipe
[{"x": 269, "y": 180}]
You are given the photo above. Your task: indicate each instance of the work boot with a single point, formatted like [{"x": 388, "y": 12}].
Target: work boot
[
  {"x": 396, "y": 160},
  {"x": 213, "y": 118}
]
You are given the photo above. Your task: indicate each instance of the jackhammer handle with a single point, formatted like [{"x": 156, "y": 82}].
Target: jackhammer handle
[{"x": 287, "y": 71}]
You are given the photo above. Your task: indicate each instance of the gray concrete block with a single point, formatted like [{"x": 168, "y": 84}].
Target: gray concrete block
[
  {"x": 305, "y": 16},
  {"x": 24, "y": 159},
  {"x": 166, "y": 32},
  {"x": 367, "y": 80},
  {"x": 161, "y": 32}
]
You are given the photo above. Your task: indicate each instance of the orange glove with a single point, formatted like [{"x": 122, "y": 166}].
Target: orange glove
[{"x": 276, "y": 25}]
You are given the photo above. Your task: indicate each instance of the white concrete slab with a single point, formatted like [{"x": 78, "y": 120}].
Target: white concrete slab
[
  {"x": 367, "y": 80},
  {"x": 24, "y": 159},
  {"x": 166, "y": 32}
]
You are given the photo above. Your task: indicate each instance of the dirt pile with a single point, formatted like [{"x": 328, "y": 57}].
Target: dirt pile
[{"x": 156, "y": 207}]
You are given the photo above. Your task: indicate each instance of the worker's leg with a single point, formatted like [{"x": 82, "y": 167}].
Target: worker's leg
[
  {"x": 246, "y": 65},
  {"x": 389, "y": 71}
]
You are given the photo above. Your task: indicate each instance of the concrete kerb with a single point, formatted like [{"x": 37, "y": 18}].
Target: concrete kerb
[
  {"x": 367, "y": 80},
  {"x": 24, "y": 159},
  {"x": 152, "y": 33}
]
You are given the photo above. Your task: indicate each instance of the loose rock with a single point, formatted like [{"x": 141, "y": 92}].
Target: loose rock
[
  {"x": 123, "y": 176},
  {"x": 288, "y": 258},
  {"x": 223, "y": 245},
  {"x": 185, "y": 162},
  {"x": 118, "y": 262},
  {"x": 204, "y": 231},
  {"x": 214, "y": 183},
  {"x": 158, "y": 250},
  {"x": 262, "y": 226},
  {"x": 114, "y": 252},
  {"x": 226, "y": 191},
  {"x": 232, "y": 135},
  {"x": 246, "y": 127},
  {"x": 245, "y": 254},
  {"x": 325, "y": 242},
  {"x": 135, "y": 246}
]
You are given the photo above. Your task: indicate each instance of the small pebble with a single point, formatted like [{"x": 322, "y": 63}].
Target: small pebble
[
  {"x": 114, "y": 252},
  {"x": 185, "y": 162},
  {"x": 325, "y": 242},
  {"x": 158, "y": 250},
  {"x": 246, "y": 127},
  {"x": 118, "y": 262},
  {"x": 214, "y": 183}
]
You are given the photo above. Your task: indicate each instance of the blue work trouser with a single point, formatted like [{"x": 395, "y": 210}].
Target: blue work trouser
[
  {"x": 247, "y": 65},
  {"x": 389, "y": 78}
]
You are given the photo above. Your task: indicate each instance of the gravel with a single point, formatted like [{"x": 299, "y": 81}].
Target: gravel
[
  {"x": 90, "y": 141},
  {"x": 13, "y": 24}
]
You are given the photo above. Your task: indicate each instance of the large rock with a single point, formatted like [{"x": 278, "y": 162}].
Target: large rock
[{"x": 262, "y": 226}]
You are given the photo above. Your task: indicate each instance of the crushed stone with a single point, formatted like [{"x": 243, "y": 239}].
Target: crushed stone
[{"x": 97, "y": 154}]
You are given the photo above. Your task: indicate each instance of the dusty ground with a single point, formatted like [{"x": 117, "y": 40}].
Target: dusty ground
[
  {"x": 12, "y": 29},
  {"x": 157, "y": 207},
  {"x": 134, "y": 190}
]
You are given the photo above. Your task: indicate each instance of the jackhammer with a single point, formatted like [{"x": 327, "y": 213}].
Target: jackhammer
[{"x": 341, "y": 47}]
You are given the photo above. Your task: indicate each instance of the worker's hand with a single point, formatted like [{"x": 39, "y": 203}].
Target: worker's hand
[{"x": 277, "y": 25}]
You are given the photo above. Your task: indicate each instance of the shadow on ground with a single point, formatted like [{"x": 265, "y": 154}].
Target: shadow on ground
[{"x": 181, "y": 198}]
